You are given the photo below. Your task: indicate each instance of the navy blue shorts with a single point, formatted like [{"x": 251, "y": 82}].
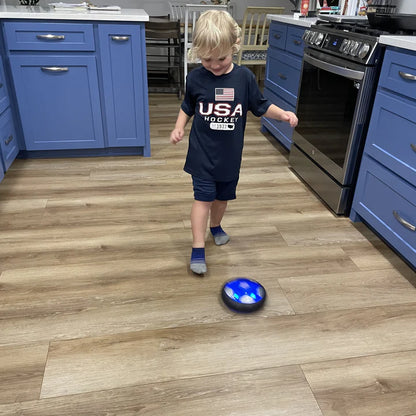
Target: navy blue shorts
[{"x": 209, "y": 190}]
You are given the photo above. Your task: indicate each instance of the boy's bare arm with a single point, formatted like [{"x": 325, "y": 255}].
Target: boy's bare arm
[
  {"x": 179, "y": 130},
  {"x": 277, "y": 113}
]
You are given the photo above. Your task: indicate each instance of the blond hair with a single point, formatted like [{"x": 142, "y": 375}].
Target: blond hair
[{"x": 215, "y": 32}]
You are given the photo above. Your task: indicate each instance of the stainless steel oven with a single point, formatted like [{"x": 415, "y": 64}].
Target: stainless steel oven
[{"x": 339, "y": 75}]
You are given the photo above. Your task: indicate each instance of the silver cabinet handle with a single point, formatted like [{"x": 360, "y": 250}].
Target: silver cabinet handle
[
  {"x": 55, "y": 68},
  {"x": 281, "y": 76},
  {"x": 8, "y": 140},
  {"x": 49, "y": 36},
  {"x": 403, "y": 222},
  {"x": 277, "y": 36},
  {"x": 297, "y": 42},
  {"x": 409, "y": 77},
  {"x": 120, "y": 38},
  {"x": 413, "y": 146}
]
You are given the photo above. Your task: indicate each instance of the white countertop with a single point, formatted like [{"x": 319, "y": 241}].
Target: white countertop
[
  {"x": 39, "y": 12},
  {"x": 289, "y": 18},
  {"x": 405, "y": 42}
]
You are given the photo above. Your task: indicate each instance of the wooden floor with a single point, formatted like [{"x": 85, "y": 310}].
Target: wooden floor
[{"x": 100, "y": 315}]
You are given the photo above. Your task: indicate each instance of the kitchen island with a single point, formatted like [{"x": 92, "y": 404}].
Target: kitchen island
[{"x": 75, "y": 82}]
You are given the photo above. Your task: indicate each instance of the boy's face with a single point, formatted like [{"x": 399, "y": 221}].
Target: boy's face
[{"x": 218, "y": 64}]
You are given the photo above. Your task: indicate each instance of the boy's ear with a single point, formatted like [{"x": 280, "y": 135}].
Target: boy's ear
[{"x": 238, "y": 41}]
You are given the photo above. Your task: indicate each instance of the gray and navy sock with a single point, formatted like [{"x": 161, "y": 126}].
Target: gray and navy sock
[
  {"x": 198, "y": 264},
  {"x": 220, "y": 236}
]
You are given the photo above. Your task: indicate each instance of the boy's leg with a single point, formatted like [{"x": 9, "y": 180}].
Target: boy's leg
[
  {"x": 217, "y": 213},
  {"x": 199, "y": 220}
]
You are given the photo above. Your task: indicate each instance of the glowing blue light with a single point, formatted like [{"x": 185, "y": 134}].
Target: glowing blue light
[
  {"x": 241, "y": 288},
  {"x": 243, "y": 295}
]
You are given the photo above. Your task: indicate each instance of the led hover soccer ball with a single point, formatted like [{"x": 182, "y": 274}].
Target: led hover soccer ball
[{"x": 243, "y": 295}]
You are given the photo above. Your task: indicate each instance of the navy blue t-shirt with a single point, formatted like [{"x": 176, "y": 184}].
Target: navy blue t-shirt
[{"x": 219, "y": 105}]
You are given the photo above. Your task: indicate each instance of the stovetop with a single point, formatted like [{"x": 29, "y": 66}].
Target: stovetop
[
  {"x": 351, "y": 38},
  {"x": 363, "y": 26}
]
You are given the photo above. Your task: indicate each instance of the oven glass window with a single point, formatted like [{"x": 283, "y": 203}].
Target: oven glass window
[{"x": 326, "y": 109}]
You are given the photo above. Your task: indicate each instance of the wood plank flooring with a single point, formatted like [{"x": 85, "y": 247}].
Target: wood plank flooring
[{"x": 100, "y": 315}]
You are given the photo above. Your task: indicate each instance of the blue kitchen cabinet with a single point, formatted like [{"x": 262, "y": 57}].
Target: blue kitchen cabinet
[
  {"x": 283, "y": 71},
  {"x": 81, "y": 88},
  {"x": 1, "y": 170},
  {"x": 57, "y": 94},
  {"x": 124, "y": 78},
  {"x": 385, "y": 196},
  {"x": 4, "y": 95},
  {"x": 8, "y": 140},
  {"x": 58, "y": 101}
]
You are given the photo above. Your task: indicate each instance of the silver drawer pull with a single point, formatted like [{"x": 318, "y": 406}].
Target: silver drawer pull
[
  {"x": 403, "y": 222},
  {"x": 8, "y": 140},
  {"x": 413, "y": 146},
  {"x": 297, "y": 42},
  {"x": 409, "y": 77},
  {"x": 49, "y": 36},
  {"x": 281, "y": 76},
  {"x": 120, "y": 38},
  {"x": 55, "y": 68},
  {"x": 277, "y": 36}
]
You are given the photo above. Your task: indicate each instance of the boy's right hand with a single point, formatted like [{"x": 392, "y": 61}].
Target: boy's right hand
[{"x": 176, "y": 135}]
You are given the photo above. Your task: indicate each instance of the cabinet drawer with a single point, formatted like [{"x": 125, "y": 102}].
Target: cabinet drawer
[
  {"x": 388, "y": 204},
  {"x": 49, "y": 36},
  {"x": 391, "y": 137},
  {"x": 277, "y": 35},
  {"x": 8, "y": 140},
  {"x": 280, "y": 130},
  {"x": 294, "y": 41},
  {"x": 283, "y": 75},
  {"x": 398, "y": 73}
]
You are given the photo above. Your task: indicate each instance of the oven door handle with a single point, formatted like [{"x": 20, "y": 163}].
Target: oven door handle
[{"x": 335, "y": 69}]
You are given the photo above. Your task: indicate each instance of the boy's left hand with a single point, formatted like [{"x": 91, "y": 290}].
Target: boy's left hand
[{"x": 290, "y": 118}]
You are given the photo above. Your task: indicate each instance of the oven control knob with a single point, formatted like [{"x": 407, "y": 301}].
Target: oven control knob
[
  {"x": 306, "y": 35},
  {"x": 312, "y": 37},
  {"x": 343, "y": 45},
  {"x": 365, "y": 48},
  {"x": 346, "y": 48},
  {"x": 355, "y": 46},
  {"x": 318, "y": 39}
]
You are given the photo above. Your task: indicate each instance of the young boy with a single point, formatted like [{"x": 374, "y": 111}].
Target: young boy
[{"x": 218, "y": 96}]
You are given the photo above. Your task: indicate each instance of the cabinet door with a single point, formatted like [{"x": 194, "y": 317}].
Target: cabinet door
[
  {"x": 123, "y": 58},
  {"x": 8, "y": 140},
  {"x": 1, "y": 170},
  {"x": 4, "y": 96},
  {"x": 59, "y": 101}
]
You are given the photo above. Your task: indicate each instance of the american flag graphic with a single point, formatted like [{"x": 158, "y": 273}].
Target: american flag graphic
[{"x": 224, "y": 94}]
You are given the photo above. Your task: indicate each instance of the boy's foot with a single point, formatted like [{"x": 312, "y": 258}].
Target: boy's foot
[
  {"x": 198, "y": 265},
  {"x": 220, "y": 236}
]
